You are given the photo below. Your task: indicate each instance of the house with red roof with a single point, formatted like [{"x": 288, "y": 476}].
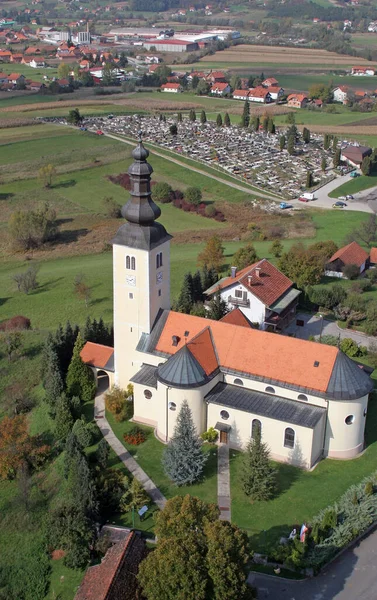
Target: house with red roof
[
  {"x": 116, "y": 576},
  {"x": 340, "y": 94},
  {"x": 270, "y": 82},
  {"x": 297, "y": 100},
  {"x": 262, "y": 293},
  {"x": 174, "y": 88},
  {"x": 352, "y": 254},
  {"x": 307, "y": 400},
  {"x": 259, "y": 94},
  {"x": 241, "y": 94},
  {"x": 220, "y": 89},
  {"x": 363, "y": 71}
]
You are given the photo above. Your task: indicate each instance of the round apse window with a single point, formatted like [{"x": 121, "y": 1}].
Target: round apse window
[
  {"x": 147, "y": 394},
  {"x": 349, "y": 420},
  {"x": 224, "y": 415},
  {"x": 172, "y": 406}
]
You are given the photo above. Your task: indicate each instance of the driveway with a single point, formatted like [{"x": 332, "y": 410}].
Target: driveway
[
  {"x": 361, "y": 202},
  {"x": 353, "y": 576},
  {"x": 315, "y": 326}
]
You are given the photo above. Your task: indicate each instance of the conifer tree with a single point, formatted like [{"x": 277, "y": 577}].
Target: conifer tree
[
  {"x": 183, "y": 459},
  {"x": 134, "y": 497},
  {"x": 102, "y": 454},
  {"x": 82, "y": 433},
  {"x": 63, "y": 419},
  {"x": 282, "y": 142},
  {"x": 185, "y": 299},
  {"x": 203, "y": 117},
  {"x": 326, "y": 141},
  {"x": 245, "y": 119},
  {"x": 219, "y": 120},
  {"x": 226, "y": 120},
  {"x": 306, "y": 135},
  {"x": 217, "y": 307},
  {"x": 336, "y": 159},
  {"x": 254, "y": 123},
  {"x": 323, "y": 164},
  {"x": 80, "y": 379},
  {"x": 179, "y": 117},
  {"x": 335, "y": 143},
  {"x": 276, "y": 248},
  {"x": 265, "y": 123},
  {"x": 258, "y": 476},
  {"x": 53, "y": 380},
  {"x": 309, "y": 179},
  {"x": 192, "y": 115},
  {"x": 208, "y": 277},
  {"x": 291, "y": 145},
  {"x": 271, "y": 126},
  {"x": 197, "y": 290}
]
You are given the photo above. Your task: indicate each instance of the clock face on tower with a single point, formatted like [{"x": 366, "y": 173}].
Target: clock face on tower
[
  {"x": 131, "y": 280},
  {"x": 159, "y": 277}
]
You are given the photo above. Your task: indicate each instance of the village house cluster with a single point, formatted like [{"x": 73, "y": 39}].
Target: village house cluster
[{"x": 252, "y": 156}]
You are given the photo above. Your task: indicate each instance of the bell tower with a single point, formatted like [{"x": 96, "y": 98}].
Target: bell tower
[{"x": 141, "y": 269}]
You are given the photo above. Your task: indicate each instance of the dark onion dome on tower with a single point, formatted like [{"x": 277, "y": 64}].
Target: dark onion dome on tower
[{"x": 141, "y": 230}]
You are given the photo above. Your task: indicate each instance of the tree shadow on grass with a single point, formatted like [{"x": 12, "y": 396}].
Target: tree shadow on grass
[
  {"x": 99, "y": 300},
  {"x": 70, "y": 235},
  {"x": 6, "y": 195},
  {"x": 45, "y": 287},
  {"x": 64, "y": 184},
  {"x": 286, "y": 475},
  {"x": 33, "y": 351},
  {"x": 264, "y": 541},
  {"x": 3, "y": 301},
  {"x": 371, "y": 424}
]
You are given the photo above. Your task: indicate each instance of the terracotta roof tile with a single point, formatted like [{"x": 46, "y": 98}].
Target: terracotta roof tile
[
  {"x": 236, "y": 317},
  {"x": 99, "y": 578},
  {"x": 96, "y": 355},
  {"x": 269, "y": 286},
  {"x": 201, "y": 347},
  {"x": 373, "y": 255},
  {"x": 352, "y": 254},
  {"x": 257, "y": 353}
]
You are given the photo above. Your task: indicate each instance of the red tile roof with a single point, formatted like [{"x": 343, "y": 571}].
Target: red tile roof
[
  {"x": 258, "y": 92},
  {"x": 96, "y": 355},
  {"x": 236, "y": 317},
  {"x": 373, "y": 255},
  {"x": 219, "y": 86},
  {"x": 257, "y": 353},
  {"x": 299, "y": 97},
  {"x": 352, "y": 254},
  {"x": 262, "y": 279},
  {"x": 170, "y": 86},
  {"x": 98, "y": 579}
]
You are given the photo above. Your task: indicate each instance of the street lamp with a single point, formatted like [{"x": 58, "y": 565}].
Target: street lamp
[{"x": 320, "y": 333}]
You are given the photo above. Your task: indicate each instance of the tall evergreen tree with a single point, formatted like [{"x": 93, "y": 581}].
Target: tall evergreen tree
[
  {"x": 192, "y": 115},
  {"x": 203, "y": 117},
  {"x": 80, "y": 379},
  {"x": 245, "y": 119},
  {"x": 183, "y": 459},
  {"x": 291, "y": 145},
  {"x": 265, "y": 123},
  {"x": 258, "y": 476},
  {"x": 217, "y": 307},
  {"x": 326, "y": 141},
  {"x": 208, "y": 277},
  {"x": 197, "y": 289},
  {"x": 254, "y": 123},
  {"x": 102, "y": 454},
  {"x": 309, "y": 179},
  {"x": 323, "y": 164},
  {"x": 306, "y": 135},
  {"x": 271, "y": 126},
  {"x": 53, "y": 380},
  {"x": 179, "y": 117},
  {"x": 282, "y": 142},
  {"x": 335, "y": 143},
  {"x": 185, "y": 299},
  {"x": 226, "y": 120},
  {"x": 219, "y": 120},
  {"x": 336, "y": 159},
  {"x": 64, "y": 419}
]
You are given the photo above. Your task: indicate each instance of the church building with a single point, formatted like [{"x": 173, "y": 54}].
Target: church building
[{"x": 308, "y": 400}]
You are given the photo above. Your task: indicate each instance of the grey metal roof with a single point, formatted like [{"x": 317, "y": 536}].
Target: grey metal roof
[
  {"x": 266, "y": 405},
  {"x": 148, "y": 341},
  {"x": 143, "y": 237},
  {"x": 222, "y": 427},
  {"x": 146, "y": 376},
  {"x": 285, "y": 300},
  {"x": 348, "y": 381},
  {"x": 182, "y": 370}
]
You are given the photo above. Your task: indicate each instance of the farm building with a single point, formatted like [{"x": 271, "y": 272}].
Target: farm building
[
  {"x": 297, "y": 100},
  {"x": 307, "y": 400},
  {"x": 170, "y": 45},
  {"x": 260, "y": 94},
  {"x": 352, "y": 254},
  {"x": 354, "y": 155},
  {"x": 174, "y": 88},
  {"x": 363, "y": 71}
]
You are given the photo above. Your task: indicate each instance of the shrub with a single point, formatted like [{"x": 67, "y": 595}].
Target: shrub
[
  {"x": 123, "y": 179},
  {"x": 112, "y": 208},
  {"x": 32, "y": 228},
  {"x": 210, "y": 211},
  {"x": 351, "y": 271},
  {"x": 351, "y": 348},
  {"x": 369, "y": 490},
  {"x": 193, "y": 195},
  {"x": 360, "y": 286},
  {"x": 135, "y": 436},
  {"x": 372, "y": 275},
  {"x": 19, "y": 322},
  {"x": 115, "y": 400},
  {"x": 162, "y": 192},
  {"x": 27, "y": 281},
  {"x": 210, "y": 436},
  {"x": 127, "y": 411}
]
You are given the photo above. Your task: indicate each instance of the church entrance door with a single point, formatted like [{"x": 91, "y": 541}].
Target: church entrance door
[{"x": 223, "y": 437}]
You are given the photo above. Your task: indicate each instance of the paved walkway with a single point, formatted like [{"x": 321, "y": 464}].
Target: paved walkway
[
  {"x": 126, "y": 458},
  {"x": 223, "y": 482},
  {"x": 313, "y": 325},
  {"x": 353, "y": 576}
]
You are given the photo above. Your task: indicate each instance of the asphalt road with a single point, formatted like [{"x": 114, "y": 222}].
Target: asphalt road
[{"x": 353, "y": 576}]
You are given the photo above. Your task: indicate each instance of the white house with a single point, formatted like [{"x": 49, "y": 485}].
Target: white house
[
  {"x": 340, "y": 94},
  {"x": 260, "y": 95},
  {"x": 220, "y": 89},
  {"x": 308, "y": 400},
  {"x": 173, "y": 88},
  {"x": 275, "y": 92},
  {"x": 263, "y": 294},
  {"x": 363, "y": 71},
  {"x": 37, "y": 63},
  {"x": 352, "y": 254},
  {"x": 241, "y": 94}
]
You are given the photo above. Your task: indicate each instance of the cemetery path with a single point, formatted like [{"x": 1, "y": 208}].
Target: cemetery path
[
  {"x": 234, "y": 185},
  {"x": 223, "y": 482},
  {"x": 126, "y": 458}
]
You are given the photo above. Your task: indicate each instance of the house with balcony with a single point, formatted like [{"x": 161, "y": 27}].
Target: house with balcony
[{"x": 264, "y": 295}]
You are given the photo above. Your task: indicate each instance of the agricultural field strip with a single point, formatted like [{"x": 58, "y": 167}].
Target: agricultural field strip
[{"x": 254, "y": 155}]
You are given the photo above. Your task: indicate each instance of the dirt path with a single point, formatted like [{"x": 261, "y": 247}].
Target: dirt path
[{"x": 182, "y": 164}]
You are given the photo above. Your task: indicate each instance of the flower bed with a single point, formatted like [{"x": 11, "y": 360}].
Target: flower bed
[{"x": 135, "y": 436}]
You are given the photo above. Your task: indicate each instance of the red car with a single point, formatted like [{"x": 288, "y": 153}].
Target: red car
[
  {"x": 99, "y": 132},
  {"x": 303, "y": 199}
]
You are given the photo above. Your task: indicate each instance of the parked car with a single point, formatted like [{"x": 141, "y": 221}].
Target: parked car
[
  {"x": 354, "y": 174},
  {"x": 99, "y": 132},
  {"x": 349, "y": 197},
  {"x": 284, "y": 205},
  {"x": 303, "y": 199},
  {"x": 342, "y": 198},
  {"x": 83, "y": 129},
  {"x": 339, "y": 205}
]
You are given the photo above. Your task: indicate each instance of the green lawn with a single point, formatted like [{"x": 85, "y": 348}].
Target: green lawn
[
  {"x": 354, "y": 185},
  {"x": 149, "y": 456},
  {"x": 302, "y": 494}
]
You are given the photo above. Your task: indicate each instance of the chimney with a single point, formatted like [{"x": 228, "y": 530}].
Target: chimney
[
  {"x": 175, "y": 339},
  {"x": 257, "y": 271},
  {"x": 249, "y": 279},
  {"x": 233, "y": 272}
]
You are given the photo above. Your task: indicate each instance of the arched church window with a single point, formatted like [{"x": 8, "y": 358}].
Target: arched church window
[
  {"x": 269, "y": 390},
  {"x": 302, "y": 397},
  {"x": 256, "y": 427},
  {"x": 133, "y": 263},
  {"x": 289, "y": 438},
  {"x": 128, "y": 262},
  {"x": 157, "y": 261},
  {"x": 238, "y": 382}
]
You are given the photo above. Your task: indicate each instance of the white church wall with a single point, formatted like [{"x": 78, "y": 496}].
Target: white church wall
[
  {"x": 273, "y": 432},
  {"x": 345, "y": 428}
]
